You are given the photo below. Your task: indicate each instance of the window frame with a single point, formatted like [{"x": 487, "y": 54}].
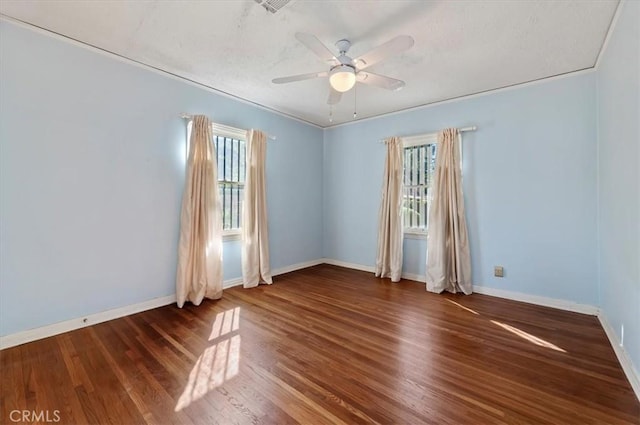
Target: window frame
[
  {"x": 410, "y": 142},
  {"x": 222, "y": 130}
]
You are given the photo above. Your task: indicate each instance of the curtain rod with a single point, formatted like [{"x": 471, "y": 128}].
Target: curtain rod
[
  {"x": 461, "y": 130},
  {"x": 189, "y": 116}
]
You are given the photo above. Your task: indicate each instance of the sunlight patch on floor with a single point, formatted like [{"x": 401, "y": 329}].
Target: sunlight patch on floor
[
  {"x": 461, "y": 306},
  {"x": 531, "y": 338},
  {"x": 218, "y": 363}
]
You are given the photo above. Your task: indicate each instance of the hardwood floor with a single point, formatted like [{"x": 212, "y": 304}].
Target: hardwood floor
[{"x": 326, "y": 345}]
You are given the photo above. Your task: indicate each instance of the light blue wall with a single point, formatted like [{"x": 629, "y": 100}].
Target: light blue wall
[
  {"x": 619, "y": 179},
  {"x": 91, "y": 179},
  {"x": 529, "y": 181},
  {"x": 92, "y": 168}
]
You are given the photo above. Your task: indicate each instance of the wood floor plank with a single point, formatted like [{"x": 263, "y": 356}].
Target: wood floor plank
[{"x": 327, "y": 345}]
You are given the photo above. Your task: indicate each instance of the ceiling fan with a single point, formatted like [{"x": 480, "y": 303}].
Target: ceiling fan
[{"x": 344, "y": 71}]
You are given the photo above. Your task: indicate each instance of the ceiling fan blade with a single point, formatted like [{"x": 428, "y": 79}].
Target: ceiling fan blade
[
  {"x": 299, "y": 77},
  {"x": 379, "y": 81},
  {"x": 392, "y": 47},
  {"x": 334, "y": 96},
  {"x": 316, "y": 46}
]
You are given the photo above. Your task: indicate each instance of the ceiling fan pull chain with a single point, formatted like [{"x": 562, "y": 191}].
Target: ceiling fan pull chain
[
  {"x": 330, "y": 113},
  {"x": 355, "y": 102}
]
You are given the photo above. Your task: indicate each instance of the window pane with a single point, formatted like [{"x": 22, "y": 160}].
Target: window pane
[
  {"x": 231, "y": 161},
  {"x": 234, "y": 160},
  {"x": 420, "y": 165},
  {"x": 405, "y": 161},
  {"x": 227, "y": 158},
  {"x": 227, "y": 208},
  {"x": 232, "y": 207},
  {"x": 419, "y": 201},
  {"x": 221, "y": 187},
  {"x": 414, "y": 166},
  {"x": 240, "y": 202},
  {"x": 411, "y": 206},
  {"x": 220, "y": 153},
  {"x": 243, "y": 156},
  {"x": 418, "y": 173},
  {"x": 425, "y": 192}
]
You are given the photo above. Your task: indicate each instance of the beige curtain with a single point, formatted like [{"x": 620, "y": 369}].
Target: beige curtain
[
  {"x": 390, "y": 231},
  {"x": 200, "y": 251},
  {"x": 448, "y": 257},
  {"x": 255, "y": 235}
]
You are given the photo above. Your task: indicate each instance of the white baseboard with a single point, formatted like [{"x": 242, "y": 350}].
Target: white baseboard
[
  {"x": 231, "y": 283},
  {"x": 416, "y": 277},
  {"x": 353, "y": 266},
  {"x": 370, "y": 269},
  {"x": 625, "y": 361},
  {"x": 23, "y": 337},
  {"x": 298, "y": 266},
  {"x": 538, "y": 300}
]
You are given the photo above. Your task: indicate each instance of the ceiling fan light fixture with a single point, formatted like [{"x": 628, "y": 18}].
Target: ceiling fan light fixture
[{"x": 342, "y": 78}]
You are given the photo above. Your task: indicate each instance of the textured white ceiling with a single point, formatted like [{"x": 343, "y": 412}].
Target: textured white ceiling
[{"x": 461, "y": 47}]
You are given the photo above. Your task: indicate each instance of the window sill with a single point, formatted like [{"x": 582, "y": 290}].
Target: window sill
[
  {"x": 409, "y": 234},
  {"x": 233, "y": 235}
]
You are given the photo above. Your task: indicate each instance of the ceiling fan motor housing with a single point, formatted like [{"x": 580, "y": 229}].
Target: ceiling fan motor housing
[{"x": 343, "y": 46}]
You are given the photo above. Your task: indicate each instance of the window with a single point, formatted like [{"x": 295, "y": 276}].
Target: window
[
  {"x": 232, "y": 154},
  {"x": 231, "y": 148},
  {"x": 419, "y": 167}
]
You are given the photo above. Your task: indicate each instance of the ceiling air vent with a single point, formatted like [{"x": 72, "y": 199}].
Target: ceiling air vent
[{"x": 273, "y": 5}]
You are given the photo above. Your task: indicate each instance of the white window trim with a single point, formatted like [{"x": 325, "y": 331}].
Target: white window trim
[
  {"x": 238, "y": 134},
  {"x": 220, "y": 130},
  {"x": 413, "y": 233},
  {"x": 428, "y": 139},
  {"x": 231, "y": 132},
  {"x": 419, "y": 140},
  {"x": 232, "y": 235}
]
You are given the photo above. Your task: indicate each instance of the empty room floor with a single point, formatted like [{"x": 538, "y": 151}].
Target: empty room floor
[{"x": 327, "y": 345}]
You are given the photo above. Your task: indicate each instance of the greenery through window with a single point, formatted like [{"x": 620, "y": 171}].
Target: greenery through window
[{"x": 419, "y": 167}]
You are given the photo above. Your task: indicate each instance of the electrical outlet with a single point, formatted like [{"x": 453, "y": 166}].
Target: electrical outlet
[{"x": 498, "y": 271}]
